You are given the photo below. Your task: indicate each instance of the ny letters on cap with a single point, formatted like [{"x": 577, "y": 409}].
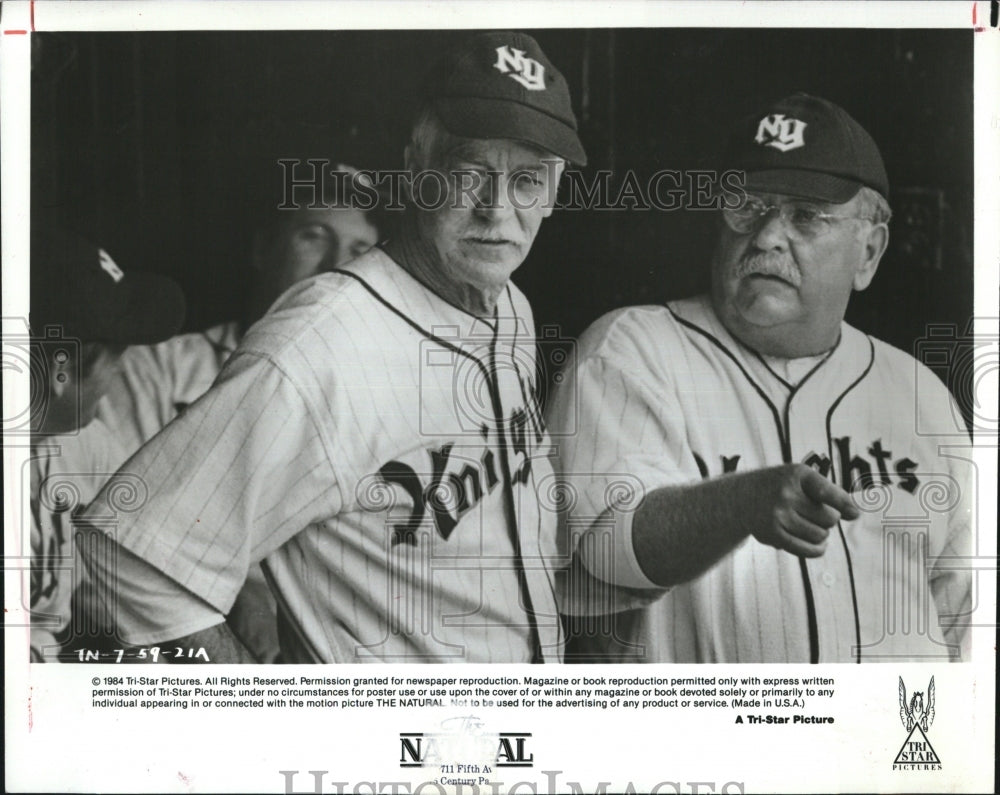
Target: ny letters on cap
[
  {"x": 501, "y": 85},
  {"x": 806, "y": 147},
  {"x": 780, "y": 132}
]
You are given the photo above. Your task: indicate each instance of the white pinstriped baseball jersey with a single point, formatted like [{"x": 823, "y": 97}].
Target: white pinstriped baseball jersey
[
  {"x": 150, "y": 387},
  {"x": 378, "y": 449},
  {"x": 666, "y": 394},
  {"x": 154, "y": 383}
]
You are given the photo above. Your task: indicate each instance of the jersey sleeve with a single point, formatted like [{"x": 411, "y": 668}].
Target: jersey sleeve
[
  {"x": 951, "y": 571},
  {"x": 948, "y": 496},
  {"x": 618, "y": 436},
  {"x": 244, "y": 469},
  {"x": 951, "y": 584},
  {"x": 145, "y": 605}
]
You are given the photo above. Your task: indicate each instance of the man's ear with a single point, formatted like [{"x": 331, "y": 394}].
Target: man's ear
[
  {"x": 555, "y": 177},
  {"x": 875, "y": 242}
]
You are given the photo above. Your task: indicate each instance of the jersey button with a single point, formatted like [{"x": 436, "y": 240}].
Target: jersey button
[{"x": 828, "y": 579}]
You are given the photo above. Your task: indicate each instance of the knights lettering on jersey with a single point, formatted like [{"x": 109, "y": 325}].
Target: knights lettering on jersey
[
  {"x": 729, "y": 464},
  {"x": 458, "y": 479},
  {"x": 454, "y": 486},
  {"x": 855, "y": 472},
  {"x": 521, "y": 423}
]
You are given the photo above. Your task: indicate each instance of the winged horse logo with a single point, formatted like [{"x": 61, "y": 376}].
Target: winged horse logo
[{"x": 916, "y": 712}]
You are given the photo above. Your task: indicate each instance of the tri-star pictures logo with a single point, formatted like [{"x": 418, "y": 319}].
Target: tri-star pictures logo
[
  {"x": 780, "y": 132},
  {"x": 518, "y": 66},
  {"x": 917, "y": 715}
]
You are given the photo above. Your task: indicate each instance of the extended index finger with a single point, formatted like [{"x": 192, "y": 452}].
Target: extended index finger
[{"x": 819, "y": 489}]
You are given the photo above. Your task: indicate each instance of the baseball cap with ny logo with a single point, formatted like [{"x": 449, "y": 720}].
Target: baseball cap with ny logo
[
  {"x": 501, "y": 85},
  {"x": 806, "y": 147}
]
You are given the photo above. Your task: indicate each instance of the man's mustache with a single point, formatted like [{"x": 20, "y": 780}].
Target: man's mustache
[{"x": 769, "y": 263}]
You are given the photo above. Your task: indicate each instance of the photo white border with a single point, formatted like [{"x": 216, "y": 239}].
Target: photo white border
[{"x": 55, "y": 742}]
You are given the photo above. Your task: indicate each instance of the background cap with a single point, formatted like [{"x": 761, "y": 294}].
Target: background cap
[
  {"x": 806, "y": 147},
  {"x": 501, "y": 85},
  {"x": 76, "y": 285}
]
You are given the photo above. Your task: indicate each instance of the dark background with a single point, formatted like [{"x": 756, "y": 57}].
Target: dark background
[{"x": 162, "y": 147}]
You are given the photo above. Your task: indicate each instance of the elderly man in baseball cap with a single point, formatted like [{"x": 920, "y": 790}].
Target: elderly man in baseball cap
[
  {"x": 498, "y": 126},
  {"x": 767, "y": 443},
  {"x": 375, "y": 439},
  {"x": 85, "y": 310}
]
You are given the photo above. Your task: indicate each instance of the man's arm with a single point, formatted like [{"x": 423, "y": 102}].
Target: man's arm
[
  {"x": 679, "y": 532},
  {"x": 148, "y": 607},
  {"x": 951, "y": 574},
  {"x": 634, "y": 423},
  {"x": 249, "y": 448}
]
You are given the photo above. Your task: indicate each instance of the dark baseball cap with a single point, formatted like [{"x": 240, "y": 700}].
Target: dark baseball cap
[
  {"x": 806, "y": 147},
  {"x": 77, "y": 286},
  {"x": 501, "y": 85}
]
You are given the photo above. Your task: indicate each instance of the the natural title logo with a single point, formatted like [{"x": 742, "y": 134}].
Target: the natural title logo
[
  {"x": 465, "y": 747},
  {"x": 917, "y": 715}
]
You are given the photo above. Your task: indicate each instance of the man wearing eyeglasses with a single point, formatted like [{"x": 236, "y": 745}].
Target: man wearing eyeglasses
[{"x": 746, "y": 469}]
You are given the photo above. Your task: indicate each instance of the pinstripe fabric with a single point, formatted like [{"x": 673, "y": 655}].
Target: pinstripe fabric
[
  {"x": 152, "y": 385},
  {"x": 377, "y": 448},
  {"x": 666, "y": 394},
  {"x": 154, "y": 382}
]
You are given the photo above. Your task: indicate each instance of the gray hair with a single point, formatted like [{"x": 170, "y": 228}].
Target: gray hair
[
  {"x": 429, "y": 137},
  {"x": 873, "y": 206}
]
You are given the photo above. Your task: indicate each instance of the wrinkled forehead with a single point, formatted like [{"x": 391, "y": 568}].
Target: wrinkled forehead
[
  {"x": 500, "y": 152},
  {"x": 782, "y": 199}
]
